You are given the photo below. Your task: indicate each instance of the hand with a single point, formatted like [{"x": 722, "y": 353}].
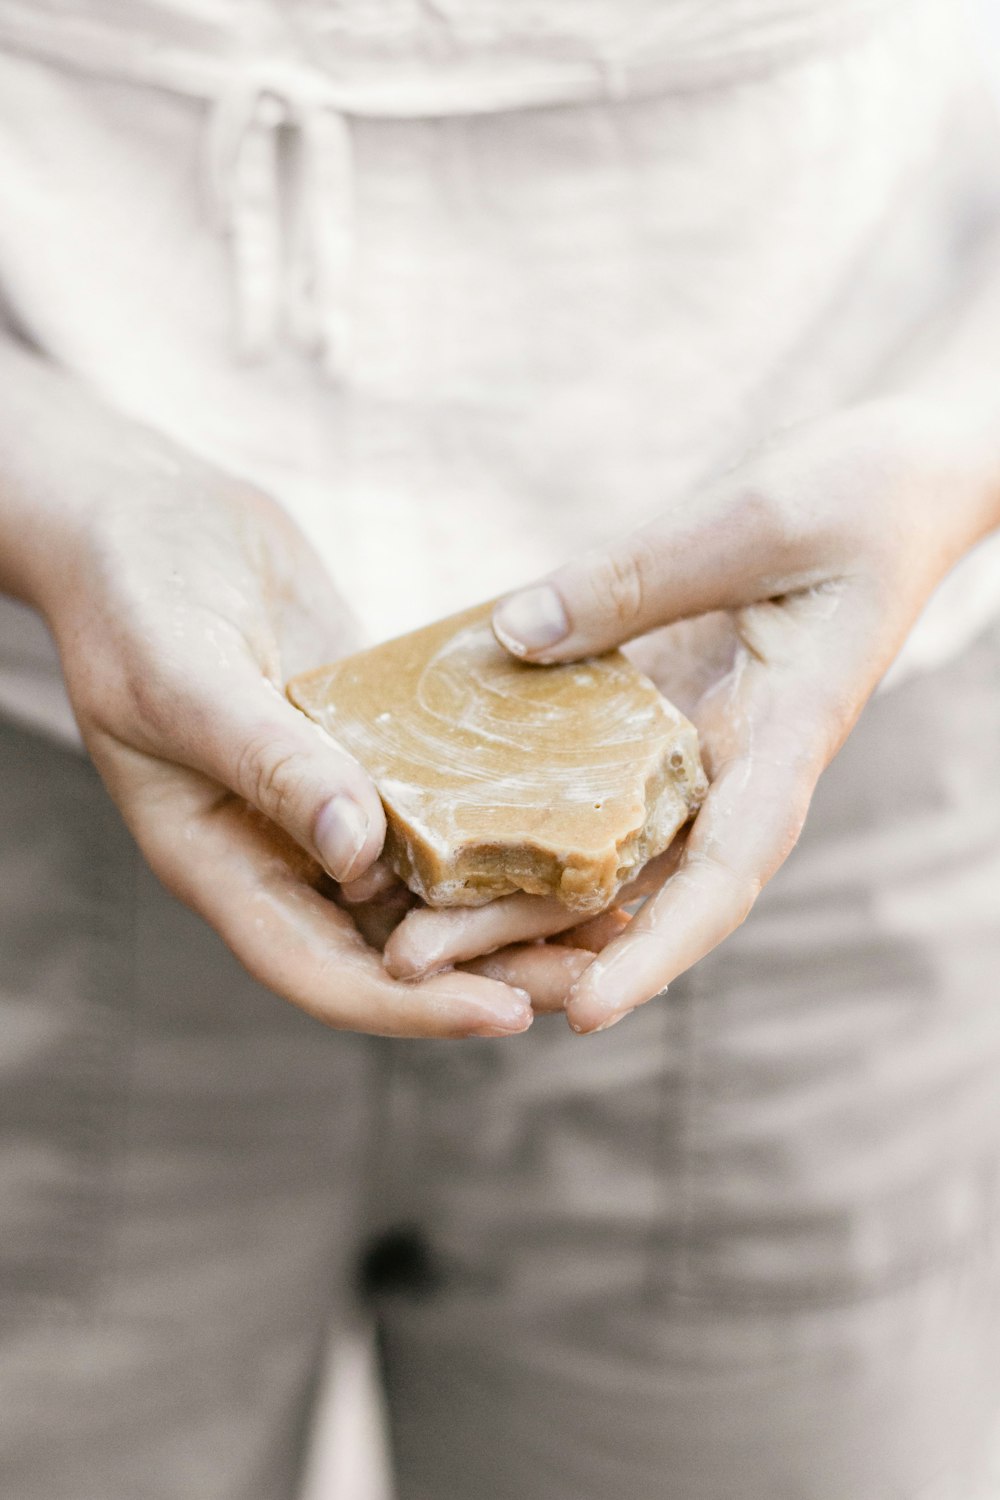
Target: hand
[
  {"x": 180, "y": 601},
  {"x": 805, "y": 569},
  {"x": 393, "y": 920}
]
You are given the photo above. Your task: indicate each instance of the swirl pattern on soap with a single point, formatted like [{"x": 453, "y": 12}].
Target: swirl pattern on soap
[
  {"x": 509, "y": 715},
  {"x": 470, "y": 746}
]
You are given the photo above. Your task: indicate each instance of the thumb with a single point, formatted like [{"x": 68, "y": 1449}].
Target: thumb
[
  {"x": 251, "y": 740},
  {"x": 728, "y": 548},
  {"x": 295, "y": 774}
]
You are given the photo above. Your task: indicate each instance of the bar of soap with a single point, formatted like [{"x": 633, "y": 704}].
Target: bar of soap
[{"x": 498, "y": 776}]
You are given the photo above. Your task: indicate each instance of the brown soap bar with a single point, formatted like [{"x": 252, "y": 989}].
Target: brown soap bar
[{"x": 498, "y": 776}]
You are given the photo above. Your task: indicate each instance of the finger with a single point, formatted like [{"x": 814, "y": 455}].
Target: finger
[
  {"x": 746, "y": 828},
  {"x": 781, "y": 728},
  {"x": 428, "y": 939},
  {"x": 244, "y": 735},
  {"x": 653, "y": 874},
  {"x": 545, "y": 972},
  {"x": 296, "y": 775},
  {"x": 378, "y": 919},
  {"x": 733, "y": 547},
  {"x": 376, "y": 881},
  {"x": 598, "y": 932},
  {"x": 252, "y": 885}
]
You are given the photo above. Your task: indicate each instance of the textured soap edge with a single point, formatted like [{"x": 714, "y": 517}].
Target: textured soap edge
[
  {"x": 672, "y": 796},
  {"x": 674, "y": 791}
]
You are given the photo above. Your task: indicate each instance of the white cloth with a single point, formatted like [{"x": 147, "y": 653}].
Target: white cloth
[{"x": 469, "y": 286}]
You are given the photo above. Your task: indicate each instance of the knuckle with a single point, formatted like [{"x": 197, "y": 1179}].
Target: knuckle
[
  {"x": 158, "y": 697},
  {"x": 270, "y": 775},
  {"x": 744, "y": 886},
  {"x": 761, "y": 513},
  {"x": 758, "y": 501},
  {"x": 798, "y": 518},
  {"x": 747, "y": 888},
  {"x": 799, "y": 802},
  {"x": 621, "y": 582},
  {"x": 147, "y": 704}
]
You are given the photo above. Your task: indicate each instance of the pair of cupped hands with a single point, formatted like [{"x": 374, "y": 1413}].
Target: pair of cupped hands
[{"x": 767, "y": 608}]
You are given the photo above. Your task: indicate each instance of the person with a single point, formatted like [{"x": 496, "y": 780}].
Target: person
[{"x": 319, "y": 321}]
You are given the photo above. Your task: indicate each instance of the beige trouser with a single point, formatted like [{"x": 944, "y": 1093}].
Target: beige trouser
[{"x": 745, "y": 1246}]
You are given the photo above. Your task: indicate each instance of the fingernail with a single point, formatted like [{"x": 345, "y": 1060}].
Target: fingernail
[
  {"x": 341, "y": 833},
  {"x": 531, "y": 620},
  {"x": 602, "y": 994},
  {"x": 377, "y": 880},
  {"x": 613, "y": 1020},
  {"x": 589, "y": 1029},
  {"x": 505, "y": 1019},
  {"x": 499, "y": 1030}
]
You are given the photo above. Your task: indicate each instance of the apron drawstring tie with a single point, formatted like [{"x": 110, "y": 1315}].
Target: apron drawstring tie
[{"x": 278, "y": 153}]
